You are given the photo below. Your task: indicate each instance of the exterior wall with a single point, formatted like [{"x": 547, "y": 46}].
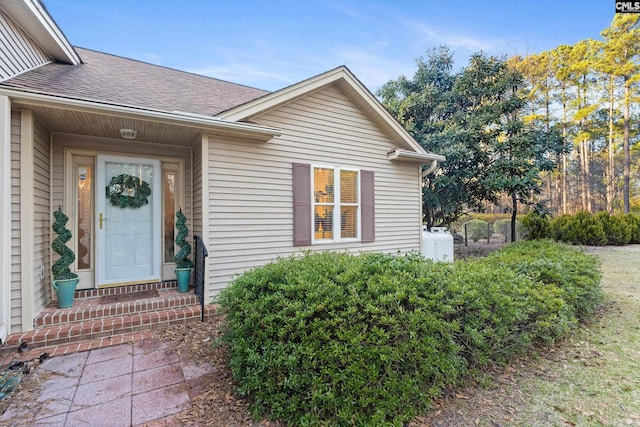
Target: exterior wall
[
  {"x": 42, "y": 225},
  {"x": 16, "y": 276},
  {"x": 18, "y": 53},
  {"x": 250, "y": 184},
  {"x": 197, "y": 189}
]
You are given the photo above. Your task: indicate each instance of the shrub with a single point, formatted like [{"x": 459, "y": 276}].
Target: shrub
[
  {"x": 496, "y": 308},
  {"x": 536, "y": 227},
  {"x": 477, "y": 229},
  {"x": 60, "y": 268},
  {"x": 634, "y": 225},
  {"x": 616, "y": 230},
  {"x": 337, "y": 339},
  {"x": 503, "y": 227},
  {"x": 182, "y": 257},
  {"x": 329, "y": 338},
  {"x": 567, "y": 268},
  {"x": 579, "y": 229}
]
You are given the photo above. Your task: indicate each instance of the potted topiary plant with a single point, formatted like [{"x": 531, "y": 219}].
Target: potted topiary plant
[
  {"x": 183, "y": 264},
  {"x": 64, "y": 280}
]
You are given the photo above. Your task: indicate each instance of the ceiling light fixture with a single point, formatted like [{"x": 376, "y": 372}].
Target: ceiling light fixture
[{"x": 128, "y": 133}]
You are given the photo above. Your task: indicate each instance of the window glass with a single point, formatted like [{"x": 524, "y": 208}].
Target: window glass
[
  {"x": 323, "y": 191},
  {"x": 323, "y": 185},
  {"x": 336, "y": 203},
  {"x": 348, "y": 187},
  {"x": 84, "y": 179},
  {"x": 169, "y": 186},
  {"x": 349, "y": 221}
]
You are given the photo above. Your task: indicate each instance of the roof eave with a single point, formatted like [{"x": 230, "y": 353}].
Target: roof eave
[
  {"x": 34, "y": 18},
  {"x": 253, "y": 131},
  {"x": 411, "y": 156}
]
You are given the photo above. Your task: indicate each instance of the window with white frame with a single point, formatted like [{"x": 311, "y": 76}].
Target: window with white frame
[{"x": 336, "y": 203}]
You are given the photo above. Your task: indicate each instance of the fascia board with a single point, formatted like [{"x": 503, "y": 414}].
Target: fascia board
[{"x": 34, "y": 18}]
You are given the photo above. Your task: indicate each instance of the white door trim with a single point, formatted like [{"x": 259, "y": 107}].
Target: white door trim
[{"x": 101, "y": 200}]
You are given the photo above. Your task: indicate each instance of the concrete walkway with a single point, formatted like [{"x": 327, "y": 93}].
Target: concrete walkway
[{"x": 144, "y": 383}]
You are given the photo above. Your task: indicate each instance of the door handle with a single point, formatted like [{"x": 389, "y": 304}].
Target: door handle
[{"x": 101, "y": 219}]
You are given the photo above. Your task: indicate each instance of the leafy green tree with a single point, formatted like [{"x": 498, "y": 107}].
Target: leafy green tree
[
  {"x": 428, "y": 107},
  {"x": 474, "y": 119}
]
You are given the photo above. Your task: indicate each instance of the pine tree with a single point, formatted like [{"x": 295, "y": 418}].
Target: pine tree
[{"x": 622, "y": 50}]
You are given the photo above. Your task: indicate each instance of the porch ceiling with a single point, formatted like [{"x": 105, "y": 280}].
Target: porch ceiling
[{"x": 108, "y": 126}]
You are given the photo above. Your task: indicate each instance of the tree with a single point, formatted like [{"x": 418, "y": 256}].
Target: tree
[
  {"x": 538, "y": 91},
  {"x": 622, "y": 49},
  {"x": 426, "y": 106},
  {"x": 474, "y": 119},
  {"x": 517, "y": 153}
]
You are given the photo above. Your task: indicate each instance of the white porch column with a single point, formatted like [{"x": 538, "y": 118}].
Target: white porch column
[
  {"x": 204, "y": 167},
  {"x": 5, "y": 217},
  {"x": 27, "y": 242}
]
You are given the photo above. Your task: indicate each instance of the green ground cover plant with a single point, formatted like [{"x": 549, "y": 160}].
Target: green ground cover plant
[{"x": 338, "y": 339}]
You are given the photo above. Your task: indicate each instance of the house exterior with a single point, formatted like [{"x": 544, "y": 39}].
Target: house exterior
[{"x": 319, "y": 165}]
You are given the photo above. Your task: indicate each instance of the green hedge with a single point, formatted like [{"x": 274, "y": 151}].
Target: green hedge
[
  {"x": 477, "y": 229},
  {"x": 584, "y": 228},
  {"x": 337, "y": 339},
  {"x": 633, "y": 222}
]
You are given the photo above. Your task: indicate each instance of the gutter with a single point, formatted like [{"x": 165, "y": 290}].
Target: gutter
[
  {"x": 422, "y": 158},
  {"x": 169, "y": 117}
]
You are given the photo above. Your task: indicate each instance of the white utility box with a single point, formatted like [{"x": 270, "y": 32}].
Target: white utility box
[{"x": 437, "y": 244}]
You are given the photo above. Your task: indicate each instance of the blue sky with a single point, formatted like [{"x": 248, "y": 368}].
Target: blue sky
[{"x": 271, "y": 44}]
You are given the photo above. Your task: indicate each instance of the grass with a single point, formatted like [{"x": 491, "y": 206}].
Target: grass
[
  {"x": 595, "y": 380},
  {"x": 590, "y": 379}
]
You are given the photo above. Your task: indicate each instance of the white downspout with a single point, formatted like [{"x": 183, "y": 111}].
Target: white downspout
[{"x": 431, "y": 168}]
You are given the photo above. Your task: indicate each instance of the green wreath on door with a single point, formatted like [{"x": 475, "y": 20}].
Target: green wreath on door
[{"x": 128, "y": 191}]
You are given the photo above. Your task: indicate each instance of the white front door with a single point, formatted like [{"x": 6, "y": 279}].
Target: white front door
[{"x": 128, "y": 230}]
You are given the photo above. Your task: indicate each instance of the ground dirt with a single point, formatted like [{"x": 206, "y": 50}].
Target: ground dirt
[{"x": 536, "y": 390}]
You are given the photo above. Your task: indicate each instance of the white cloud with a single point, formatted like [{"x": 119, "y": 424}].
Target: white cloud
[{"x": 466, "y": 42}]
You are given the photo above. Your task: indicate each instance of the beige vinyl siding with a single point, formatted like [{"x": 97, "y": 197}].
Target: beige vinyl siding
[
  {"x": 41, "y": 215},
  {"x": 18, "y": 52},
  {"x": 197, "y": 188},
  {"x": 250, "y": 184},
  {"x": 16, "y": 277}
]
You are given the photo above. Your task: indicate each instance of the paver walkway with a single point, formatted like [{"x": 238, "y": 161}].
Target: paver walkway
[{"x": 144, "y": 383}]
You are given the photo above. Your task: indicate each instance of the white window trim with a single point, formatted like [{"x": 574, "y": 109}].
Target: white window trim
[{"x": 337, "y": 223}]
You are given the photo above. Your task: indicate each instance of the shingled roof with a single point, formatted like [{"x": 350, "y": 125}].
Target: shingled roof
[{"x": 120, "y": 81}]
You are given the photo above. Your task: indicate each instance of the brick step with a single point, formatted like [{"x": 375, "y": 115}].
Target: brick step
[
  {"x": 105, "y": 327},
  {"x": 89, "y": 307},
  {"x": 92, "y": 293}
]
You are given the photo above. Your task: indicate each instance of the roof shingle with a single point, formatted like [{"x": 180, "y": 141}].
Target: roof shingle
[{"x": 120, "y": 81}]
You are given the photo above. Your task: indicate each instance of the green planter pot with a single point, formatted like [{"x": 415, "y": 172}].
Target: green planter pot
[
  {"x": 183, "y": 275},
  {"x": 65, "y": 290}
]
